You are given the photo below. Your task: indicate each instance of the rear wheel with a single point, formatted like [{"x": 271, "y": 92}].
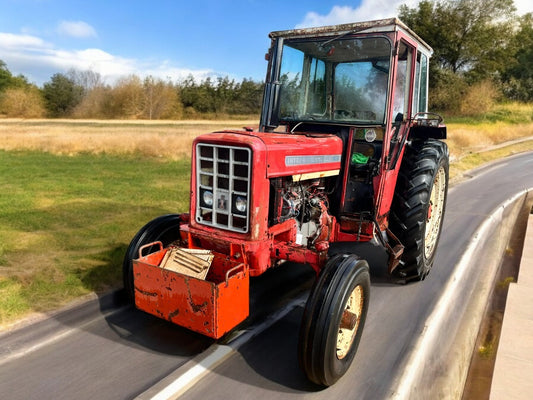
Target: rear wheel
[
  {"x": 333, "y": 319},
  {"x": 418, "y": 206},
  {"x": 165, "y": 229}
]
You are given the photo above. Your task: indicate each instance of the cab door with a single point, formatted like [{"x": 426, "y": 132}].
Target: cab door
[{"x": 400, "y": 112}]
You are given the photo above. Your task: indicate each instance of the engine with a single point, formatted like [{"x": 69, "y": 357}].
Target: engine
[{"x": 307, "y": 203}]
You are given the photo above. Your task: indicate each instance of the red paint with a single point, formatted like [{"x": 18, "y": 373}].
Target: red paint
[{"x": 211, "y": 307}]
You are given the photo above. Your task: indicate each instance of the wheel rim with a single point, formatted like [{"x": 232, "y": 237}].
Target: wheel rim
[
  {"x": 349, "y": 323},
  {"x": 435, "y": 210}
]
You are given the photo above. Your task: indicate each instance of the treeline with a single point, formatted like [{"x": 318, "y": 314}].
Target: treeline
[{"x": 83, "y": 94}]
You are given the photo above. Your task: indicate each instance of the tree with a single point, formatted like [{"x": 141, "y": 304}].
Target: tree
[
  {"x": 7, "y": 79},
  {"x": 249, "y": 97},
  {"x": 160, "y": 99},
  {"x": 517, "y": 75},
  {"x": 97, "y": 103},
  {"x": 87, "y": 79},
  {"x": 128, "y": 98},
  {"x": 468, "y": 40},
  {"x": 223, "y": 96},
  {"x": 465, "y": 37},
  {"x": 5, "y": 76},
  {"x": 61, "y": 95}
]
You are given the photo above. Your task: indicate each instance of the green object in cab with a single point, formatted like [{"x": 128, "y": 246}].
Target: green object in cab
[{"x": 358, "y": 158}]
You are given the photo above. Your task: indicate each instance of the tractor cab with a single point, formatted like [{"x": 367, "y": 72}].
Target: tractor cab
[
  {"x": 362, "y": 74},
  {"x": 364, "y": 82}
]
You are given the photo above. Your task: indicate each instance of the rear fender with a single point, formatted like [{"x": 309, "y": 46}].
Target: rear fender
[
  {"x": 428, "y": 132},
  {"x": 426, "y": 125}
]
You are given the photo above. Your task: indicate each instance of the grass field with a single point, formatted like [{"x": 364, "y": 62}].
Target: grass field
[
  {"x": 75, "y": 192},
  {"x": 65, "y": 222},
  {"x": 166, "y": 139}
]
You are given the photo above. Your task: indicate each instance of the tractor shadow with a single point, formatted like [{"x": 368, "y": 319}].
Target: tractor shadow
[
  {"x": 270, "y": 359},
  {"x": 376, "y": 256}
]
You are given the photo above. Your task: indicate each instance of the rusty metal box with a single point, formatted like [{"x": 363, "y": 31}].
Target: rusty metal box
[{"x": 211, "y": 306}]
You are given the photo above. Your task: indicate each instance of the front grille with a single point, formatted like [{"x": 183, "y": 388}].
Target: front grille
[{"x": 223, "y": 186}]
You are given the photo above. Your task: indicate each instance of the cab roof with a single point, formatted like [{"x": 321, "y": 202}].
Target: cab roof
[{"x": 381, "y": 25}]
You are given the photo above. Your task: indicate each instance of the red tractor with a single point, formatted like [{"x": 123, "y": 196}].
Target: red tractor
[{"x": 345, "y": 152}]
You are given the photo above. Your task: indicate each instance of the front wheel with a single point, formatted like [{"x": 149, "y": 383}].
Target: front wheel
[
  {"x": 333, "y": 319},
  {"x": 165, "y": 229}
]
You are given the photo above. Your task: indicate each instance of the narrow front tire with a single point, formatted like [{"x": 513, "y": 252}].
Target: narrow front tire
[{"x": 334, "y": 318}]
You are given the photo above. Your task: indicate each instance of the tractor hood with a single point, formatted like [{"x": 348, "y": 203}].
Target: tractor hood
[{"x": 302, "y": 155}]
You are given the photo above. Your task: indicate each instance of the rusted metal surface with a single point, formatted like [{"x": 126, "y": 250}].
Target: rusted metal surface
[
  {"x": 211, "y": 307},
  {"x": 338, "y": 29},
  {"x": 395, "y": 250},
  {"x": 349, "y": 323},
  {"x": 382, "y": 25},
  {"x": 348, "y": 320}
]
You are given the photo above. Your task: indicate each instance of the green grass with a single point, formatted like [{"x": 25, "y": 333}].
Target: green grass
[{"x": 65, "y": 222}]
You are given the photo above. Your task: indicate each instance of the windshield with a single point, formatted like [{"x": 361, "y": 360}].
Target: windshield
[{"x": 343, "y": 80}]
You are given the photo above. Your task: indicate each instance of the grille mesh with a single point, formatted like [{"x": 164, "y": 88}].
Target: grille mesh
[{"x": 223, "y": 175}]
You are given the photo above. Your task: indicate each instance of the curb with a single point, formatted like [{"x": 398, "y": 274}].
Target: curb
[{"x": 513, "y": 370}]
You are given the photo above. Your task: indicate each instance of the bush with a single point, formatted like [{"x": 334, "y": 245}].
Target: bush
[
  {"x": 24, "y": 102},
  {"x": 479, "y": 98}
]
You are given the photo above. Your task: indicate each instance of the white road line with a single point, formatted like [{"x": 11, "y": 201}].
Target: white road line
[{"x": 217, "y": 354}]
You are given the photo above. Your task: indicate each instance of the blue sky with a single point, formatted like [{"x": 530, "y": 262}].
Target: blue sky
[{"x": 163, "y": 38}]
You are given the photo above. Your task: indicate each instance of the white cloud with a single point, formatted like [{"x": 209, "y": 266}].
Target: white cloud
[
  {"x": 368, "y": 10},
  {"x": 375, "y": 9},
  {"x": 77, "y": 29},
  {"x": 38, "y": 60},
  {"x": 27, "y": 42}
]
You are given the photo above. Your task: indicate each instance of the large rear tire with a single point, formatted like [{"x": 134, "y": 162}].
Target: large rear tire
[
  {"x": 418, "y": 206},
  {"x": 165, "y": 229},
  {"x": 334, "y": 318}
]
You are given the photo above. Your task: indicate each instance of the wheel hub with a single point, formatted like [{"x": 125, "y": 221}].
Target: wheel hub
[{"x": 349, "y": 323}]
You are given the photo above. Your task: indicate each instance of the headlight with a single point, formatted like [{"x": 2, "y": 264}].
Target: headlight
[
  {"x": 207, "y": 197},
  {"x": 240, "y": 204}
]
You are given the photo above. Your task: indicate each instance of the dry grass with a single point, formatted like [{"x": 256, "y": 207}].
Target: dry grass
[
  {"x": 464, "y": 139},
  {"x": 468, "y": 134},
  {"x": 167, "y": 139},
  {"x": 173, "y": 139}
]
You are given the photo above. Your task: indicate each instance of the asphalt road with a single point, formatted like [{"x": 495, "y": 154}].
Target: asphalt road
[{"x": 100, "y": 351}]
